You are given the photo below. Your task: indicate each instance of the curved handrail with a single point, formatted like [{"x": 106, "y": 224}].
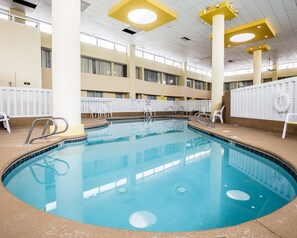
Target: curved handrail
[
  {"x": 66, "y": 124},
  {"x": 43, "y": 135},
  {"x": 181, "y": 107},
  {"x": 168, "y": 108},
  {"x": 205, "y": 115}
]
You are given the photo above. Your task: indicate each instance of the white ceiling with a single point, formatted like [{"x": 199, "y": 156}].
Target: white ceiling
[{"x": 165, "y": 40}]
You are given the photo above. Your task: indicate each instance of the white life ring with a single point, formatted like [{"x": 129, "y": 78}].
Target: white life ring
[{"x": 281, "y": 102}]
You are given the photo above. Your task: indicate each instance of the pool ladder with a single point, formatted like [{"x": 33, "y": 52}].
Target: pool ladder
[
  {"x": 47, "y": 124},
  {"x": 207, "y": 116}
]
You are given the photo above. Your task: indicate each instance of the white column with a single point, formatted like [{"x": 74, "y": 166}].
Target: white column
[
  {"x": 132, "y": 70},
  {"x": 184, "y": 80},
  {"x": 66, "y": 63},
  {"x": 217, "y": 91},
  {"x": 257, "y": 67}
]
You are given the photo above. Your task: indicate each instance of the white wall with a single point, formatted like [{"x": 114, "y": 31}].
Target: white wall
[{"x": 20, "y": 55}]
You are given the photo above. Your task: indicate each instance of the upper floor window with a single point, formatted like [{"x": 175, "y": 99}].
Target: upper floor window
[
  {"x": 120, "y": 70},
  {"x": 46, "y": 58},
  {"x": 152, "y": 76},
  {"x": 171, "y": 79}
]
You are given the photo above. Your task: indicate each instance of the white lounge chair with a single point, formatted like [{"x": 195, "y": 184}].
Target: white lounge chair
[
  {"x": 4, "y": 119},
  {"x": 291, "y": 118},
  {"x": 218, "y": 113}
]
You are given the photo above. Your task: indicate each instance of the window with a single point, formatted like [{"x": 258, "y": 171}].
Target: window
[
  {"x": 159, "y": 59},
  {"x": 138, "y": 73},
  {"x": 44, "y": 27},
  {"x": 46, "y": 58},
  {"x": 88, "y": 39},
  {"x": 245, "y": 83},
  {"x": 138, "y": 53},
  {"x": 170, "y": 98},
  {"x": 152, "y": 76},
  {"x": 199, "y": 84},
  {"x": 94, "y": 94},
  {"x": 102, "y": 67},
  {"x": 148, "y": 56},
  {"x": 151, "y": 97},
  {"x": 119, "y": 95},
  {"x": 230, "y": 86},
  {"x": 169, "y": 62},
  {"x": 86, "y": 65},
  {"x": 105, "y": 44},
  {"x": 189, "y": 83},
  {"x": 209, "y": 86},
  {"x": 171, "y": 79},
  {"x": 120, "y": 70},
  {"x": 120, "y": 48},
  {"x": 93, "y": 66}
]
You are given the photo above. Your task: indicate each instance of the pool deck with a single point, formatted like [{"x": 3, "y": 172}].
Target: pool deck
[{"x": 17, "y": 219}]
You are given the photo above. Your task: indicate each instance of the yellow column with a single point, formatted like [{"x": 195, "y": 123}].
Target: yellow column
[
  {"x": 257, "y": 67},
  {"x": 66, "y": 63},
  {"x": 217, "y": 91}
]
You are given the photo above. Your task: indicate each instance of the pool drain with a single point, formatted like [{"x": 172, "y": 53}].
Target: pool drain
[
  {"x": 121, "y": 191},
  {"x": 181, "y": 190}
]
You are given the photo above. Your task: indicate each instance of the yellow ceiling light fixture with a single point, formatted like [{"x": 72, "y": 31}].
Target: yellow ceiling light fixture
[
  {"x": 263, "y": 47},
  {"x": 223, "y": 8},
  {"x": 142, "y": 14},
  {"x": 247, "y": 33}
]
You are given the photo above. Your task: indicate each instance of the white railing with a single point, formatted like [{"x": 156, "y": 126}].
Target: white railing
[
  {"x": 91, "y": 104},
  {"x": 26, "y": 102},
  {"x": 267, "y": 101},
  {"x": 33, "y": 102}
]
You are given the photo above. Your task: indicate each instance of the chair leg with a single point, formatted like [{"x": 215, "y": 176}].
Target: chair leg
[
  {"x": 221, "y": 119},
  {"x": 284, "y": 130}
]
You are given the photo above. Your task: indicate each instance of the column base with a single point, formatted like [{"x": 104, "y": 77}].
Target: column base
[{"x": 73, "y": 130}]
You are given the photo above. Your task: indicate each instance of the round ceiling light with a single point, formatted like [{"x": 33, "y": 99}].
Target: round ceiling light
[
  {"x": 142, "y": 16},
  {"x": 242, "y": 37}
]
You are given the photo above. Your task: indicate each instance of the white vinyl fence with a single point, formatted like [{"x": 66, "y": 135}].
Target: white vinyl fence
[
  {"x": 89, "y": 104},
  {"x": 33, "y": 102},
  {"x": 26, "y": 102},
  {"x": 268, "y": 101}
]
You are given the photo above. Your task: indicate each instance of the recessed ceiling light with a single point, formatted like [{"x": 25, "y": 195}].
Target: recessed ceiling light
[
  {"x": 229, "y": 45},
  {"x": 142, "y": 16},
  {"x": 242, "y": 37},
  {"x": 266, "y": 36},
  {"x": 258, "y": 27}
]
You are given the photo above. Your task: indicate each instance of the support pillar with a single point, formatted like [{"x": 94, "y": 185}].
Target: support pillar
[
  {"x": 132, "y": 70},
  {"x": 217, "y": 91},
  {"x": 66, "y": 63},
  {"x": 184, "y": 80},
  {"x": 257, "y": 67}
]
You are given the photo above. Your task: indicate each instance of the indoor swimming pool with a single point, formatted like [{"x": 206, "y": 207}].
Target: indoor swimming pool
[{"x": 152, "y": 175}]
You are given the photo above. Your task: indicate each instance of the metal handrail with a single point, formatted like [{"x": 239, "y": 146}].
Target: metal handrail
[
  {"x": 168, "y": 108},
  {"x": 205, "y": 115},
  {"x": 43, "y": 135},
  {"x": 181, "y": 107}
]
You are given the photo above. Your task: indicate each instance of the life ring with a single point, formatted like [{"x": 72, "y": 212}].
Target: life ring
[{"x": 281, "y": 102}]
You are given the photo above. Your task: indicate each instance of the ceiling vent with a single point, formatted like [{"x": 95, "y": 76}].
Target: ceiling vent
[
  {"x": 24, "y": 3},
  {"x": 131, "y": 30},
  {"x": 84, "y": 5},
  {"x": 185, "y": 38}
]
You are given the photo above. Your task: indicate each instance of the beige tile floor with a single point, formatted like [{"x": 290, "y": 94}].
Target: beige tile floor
[{"x": 18, "y": 219}]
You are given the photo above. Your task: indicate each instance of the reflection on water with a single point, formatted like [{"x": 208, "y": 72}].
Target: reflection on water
[{"x": 169, "y": 177}]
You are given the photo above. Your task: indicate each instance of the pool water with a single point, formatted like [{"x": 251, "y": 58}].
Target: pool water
[{"x": 152, "y": 176}]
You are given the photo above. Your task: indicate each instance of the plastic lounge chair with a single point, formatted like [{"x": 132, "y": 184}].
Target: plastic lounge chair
[
  {"x": 4, "y": 119},
  {"x": 291, "y": 118},
  {"x": 218, "y": 113}
]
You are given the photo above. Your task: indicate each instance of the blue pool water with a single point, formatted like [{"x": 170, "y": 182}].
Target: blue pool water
[{"x": 153, "y": 176}]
